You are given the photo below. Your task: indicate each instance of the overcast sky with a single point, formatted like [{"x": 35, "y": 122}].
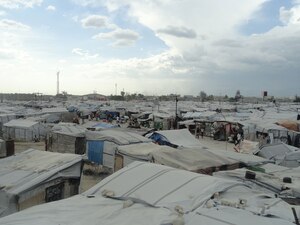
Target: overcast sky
[{"x": 151, "y": 46}]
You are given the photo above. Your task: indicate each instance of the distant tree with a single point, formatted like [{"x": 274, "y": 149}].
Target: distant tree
[
  {"x": 202, "y": 96},
  {"x": 123, "y": 93},
  {"x": 210, "y": 98},
  {"x": 238, "y": 95},
  {"x": 297, "y": 99},
  {"x": 226, "y": 97}
]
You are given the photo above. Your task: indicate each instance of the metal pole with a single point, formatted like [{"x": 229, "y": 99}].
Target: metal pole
[{"x": 176, "y": 100}]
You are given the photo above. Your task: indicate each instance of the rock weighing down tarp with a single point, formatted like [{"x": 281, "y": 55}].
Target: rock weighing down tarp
[{"x": 146, "y": 193}]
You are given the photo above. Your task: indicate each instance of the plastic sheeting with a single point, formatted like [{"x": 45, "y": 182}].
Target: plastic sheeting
[
  {"x": 118, "y": 137},
  {"x": 147, "y": 194},
  {"x": 30, "y": 169},
  {"x": 180, "y": 137}
]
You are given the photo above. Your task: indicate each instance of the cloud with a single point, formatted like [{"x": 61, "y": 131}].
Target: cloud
[
  {"x": 181, "y": 32},
  {"x": 13, "y": 25},
  {"x": 83, "y": 53},
  {"x": 290, "y": 16},
  {"x": 122, "y": 37},
  {"x": 51, "y": 8},
  {"x": 2, "y": 13},
  {"x": 15, "y": 4},
  {"x": 97, "y": 21}
]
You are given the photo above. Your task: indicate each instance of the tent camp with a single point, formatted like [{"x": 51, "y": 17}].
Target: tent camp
[
  {"x": 34, "y": 177},
  {"x": 23, "y": 130},
  {"x": 175, "y": 138},
  {"x": 101, "y": 145},
  {"x": 67, "y": 138},
  {"x": 146, "y": 193},
  {"x": 199, "y": 160}
]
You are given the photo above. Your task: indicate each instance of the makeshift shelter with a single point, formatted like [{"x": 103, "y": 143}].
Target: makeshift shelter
[
  {"x": 23, "y": 130},
  {"x": 145, "y": 193},
  {"x": 96, "y": 125},
  {"x": 34, "y": 177},
  {"x": 101, "y": 145},
  {"x": 2, "y": 148},
  {"x": 277, "y": 180},
  {"x": 67, "y": 138},
  {"x": 282, "y": 154},
  {"x": 175, "y": 138},
  {"x": 199, "y": 160},
  {"x": 4, "y": 118}
]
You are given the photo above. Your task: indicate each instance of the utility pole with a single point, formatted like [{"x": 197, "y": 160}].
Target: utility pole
[
  {"x": 57, "y": 83},
  {"x": 176, "y": 115}
]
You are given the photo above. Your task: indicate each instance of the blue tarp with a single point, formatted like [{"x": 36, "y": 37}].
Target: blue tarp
[{"x": 95, "y": 151}]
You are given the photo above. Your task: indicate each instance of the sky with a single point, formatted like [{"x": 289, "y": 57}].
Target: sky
[{"x": 153, "y": 47}]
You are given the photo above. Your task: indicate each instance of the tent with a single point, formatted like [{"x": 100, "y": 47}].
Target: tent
[
  {"x": 67, "y": 138},
  {"x": 199, "y": 160},
  {"x": 101, "y": 145},
  {"x": 277, "y": 180},
  {"x": 23, "y": 130},
  {"x": 146, "y": 193},
  {"x": 282, "y": 154},
  {"x": 34, "y": 177},
  {"x": 2, "y": 148}
]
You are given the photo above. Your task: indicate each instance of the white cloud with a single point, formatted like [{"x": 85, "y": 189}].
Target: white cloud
[
  {"x": 83, "y": 53},
  {"x": 122, "y": 37},
  {"x": 97, "y": 21},
  {"x": 14, "y": 4},
  {"x": 290, "y": 16},
  {"x": 2, "y": 13},
  {"x": 51, "y": 8},
  {"x": 181, "y": 32},
  {"x": 13, "y": 25}
]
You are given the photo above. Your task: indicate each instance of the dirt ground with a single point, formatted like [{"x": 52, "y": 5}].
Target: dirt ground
[{"x": 22, "y": 146}]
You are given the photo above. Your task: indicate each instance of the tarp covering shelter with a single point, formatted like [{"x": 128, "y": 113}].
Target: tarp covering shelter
[
  {"x": 281, "y": 154},
  {"x": 67, "y": 138},
  {"x": 199, "y": 160},
  {"x": 23, "y": 130},
  {"x": 2, "y": 148},
  {"x": 145, "y": 193},
  {"x": 34, "y": 177},
  {"x": 101, "y": 145},
  {"x": 246, "y": 159},
  {"x": 270, "y": 178},
  {"x": 176, "y": 138}
]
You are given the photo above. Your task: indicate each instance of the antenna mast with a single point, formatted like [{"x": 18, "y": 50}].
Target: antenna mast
[{"x": 57, "y": 82}]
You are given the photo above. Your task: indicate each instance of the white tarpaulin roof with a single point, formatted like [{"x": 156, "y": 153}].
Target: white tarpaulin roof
[
  {"x": 189, "y": 159},
  {"x": 119, "y": 137},
  {"x": 141, "y": 150},
  {"x": 30, "y": 170},
  {"x": 149, "y": 194},
  {"x": 20, "y": 123},
  {"x": 70, "y": 129},
  {"x": 26, "y": 169},
  {"x": 268, "y": 181},
  {"x": 248, "y": 159},
  {"x": 185, "y": 158}
]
